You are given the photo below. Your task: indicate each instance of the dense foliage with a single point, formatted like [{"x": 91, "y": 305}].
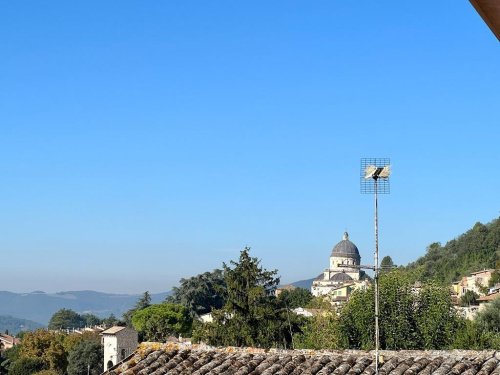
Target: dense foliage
[
  {"x": 488, "y": 320},
  {"x": 158, "y": 322},
  {"x": 252, "y": 315},
  {"x": 298, "y": 297},
  {"x": 410, "y": 318},
  {"x": 27, "y": 366},
  {"x": 143, "y": 302},
  {"x": 469, "y": 298},
  {"x": 66, "y": 319},
  {"x": 322, "y": 331},
  {"x": 477, "y": 249},
  {"x": 201, "y": 293},
  {"x": 495, "y": 278},
  {"x": 483, "y": 332},
  {"x": 51, "y": 351},
  {"x": 46, "y": 345},
  {"x": 387, "y": 264},
  {"x": 86, "y": 356}
]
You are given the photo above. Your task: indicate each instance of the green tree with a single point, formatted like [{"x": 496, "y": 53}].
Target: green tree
[
  {"x": 469, "y": 298},
  {"x": 157, "y": 322},
  {"x": 471, "y": 337},
  {"x": 321, "y": 331},
  {"x": 320, "y": 302},
  {"x": 435, "y": 316},
  {"x": 488, "y": 320},
  {"x": 409, "y": 319},
  {"x": 27, "y": 366},
  {"x": 72, "y": 340},
  {"x": 111, "y": 321},
  {"x": 8, "y": 357},
  {"x": 201, "y": 293},
  {"x": 386, "y": 264},
  {"x": 4, "y": 364},
  {"x": 143, "y": 302},
  {"x": 494, "y": 279},
  {"x": 66, "y": 319},
  {"x": 91, "y": 320},
  {"x": 86, "y": 355},
  {"x": 46, "y": 345},
  {"x": 252, "y": 315},
  {"x": 298, "y": 297}
]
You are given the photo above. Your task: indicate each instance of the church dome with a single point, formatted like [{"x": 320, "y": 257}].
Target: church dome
[
  {"x": 346, "y": 249},
  {"x": 341, "y": 277}
]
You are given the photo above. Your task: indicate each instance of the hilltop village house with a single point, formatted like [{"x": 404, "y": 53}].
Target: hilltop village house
[
  {"x": 7, "y": 341},
  {"x": 343, "y": 275},
  {"x": 476, "y": 282}
]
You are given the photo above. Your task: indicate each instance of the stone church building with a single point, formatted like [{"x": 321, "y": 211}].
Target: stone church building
[{"x": 339, "y": 274}]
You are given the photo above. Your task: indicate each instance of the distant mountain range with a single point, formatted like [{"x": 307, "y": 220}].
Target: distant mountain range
[
  {"x": 306, "y": 284},
  {"x": 40, "y": 306}
]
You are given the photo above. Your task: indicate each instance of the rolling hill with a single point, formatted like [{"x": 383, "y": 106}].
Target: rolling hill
[
  {"x": 14, "y": 325},
  {"x": 40, "y": 306}
]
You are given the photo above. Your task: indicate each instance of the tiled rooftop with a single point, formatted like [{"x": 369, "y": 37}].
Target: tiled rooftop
[
  {"x": 112, "y": 330},
  {"x": 155, "y": 359}
]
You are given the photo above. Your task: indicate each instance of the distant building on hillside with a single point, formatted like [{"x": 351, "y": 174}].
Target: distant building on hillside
[
  {"x": 119, "y": 343},
  {"x": 343, "y": 275},
  {"x": 475, "y": 282},
  {"x": 7, "y": 341}
]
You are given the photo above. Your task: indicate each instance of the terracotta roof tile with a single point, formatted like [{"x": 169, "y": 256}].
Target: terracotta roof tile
[{"x": 170, "y": 358}]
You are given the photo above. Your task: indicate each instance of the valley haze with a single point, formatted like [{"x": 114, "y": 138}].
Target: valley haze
[{"x": 39, "y": 306}]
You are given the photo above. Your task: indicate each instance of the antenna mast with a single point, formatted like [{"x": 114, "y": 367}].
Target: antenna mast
[{"x": 374, "y": 178}]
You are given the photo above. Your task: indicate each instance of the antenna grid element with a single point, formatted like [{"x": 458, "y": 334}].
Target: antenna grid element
[{"x": 370, "y": 185}]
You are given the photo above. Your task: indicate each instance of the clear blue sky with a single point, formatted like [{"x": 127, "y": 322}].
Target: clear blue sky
[{"x": 142, "y": 142}]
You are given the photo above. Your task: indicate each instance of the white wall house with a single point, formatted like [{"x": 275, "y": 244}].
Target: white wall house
[{"x": 119, "y": 343}]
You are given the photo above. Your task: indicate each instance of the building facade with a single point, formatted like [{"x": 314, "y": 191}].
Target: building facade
[
  {"x": 7, "y": 341},
  {"x": 119, "y": 343}
]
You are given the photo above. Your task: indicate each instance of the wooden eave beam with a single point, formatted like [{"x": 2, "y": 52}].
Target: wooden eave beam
[{"x": 489, "y": 10}]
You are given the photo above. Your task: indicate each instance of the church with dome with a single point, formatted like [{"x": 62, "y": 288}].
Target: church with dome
[{"x": 343, "y": 275}]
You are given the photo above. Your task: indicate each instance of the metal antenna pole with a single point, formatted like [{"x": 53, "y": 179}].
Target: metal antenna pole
[
  {"x": 374, "y": 179},
  {"x": 377, "y": 338}
]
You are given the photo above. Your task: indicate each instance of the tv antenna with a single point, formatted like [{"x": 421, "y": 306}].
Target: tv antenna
[{"x": 374, "y": 179}]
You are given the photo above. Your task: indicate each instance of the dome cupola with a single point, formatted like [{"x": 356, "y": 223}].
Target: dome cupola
[{"x": 346, "y": 249}]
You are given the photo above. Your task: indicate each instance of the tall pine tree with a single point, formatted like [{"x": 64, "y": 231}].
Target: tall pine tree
[{"x": 252, "y": 315}]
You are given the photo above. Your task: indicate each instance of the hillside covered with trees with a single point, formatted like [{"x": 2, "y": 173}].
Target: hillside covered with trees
[
  {"x": 476, "y": 249},
  {"x": 14, "y": 325}
]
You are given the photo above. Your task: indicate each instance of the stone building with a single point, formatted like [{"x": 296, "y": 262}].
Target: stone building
[
  {"x": 342, "y": 269},
  {"x": 119, "y": 343}
]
